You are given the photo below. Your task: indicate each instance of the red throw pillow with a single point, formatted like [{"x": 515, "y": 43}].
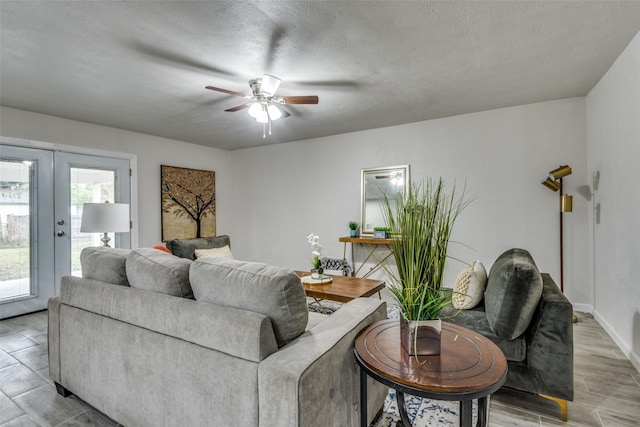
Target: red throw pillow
[{"x": 162, "y": 248}]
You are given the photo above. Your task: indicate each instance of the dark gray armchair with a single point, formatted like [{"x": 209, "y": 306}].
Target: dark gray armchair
[{"x": 540, "y": 359}]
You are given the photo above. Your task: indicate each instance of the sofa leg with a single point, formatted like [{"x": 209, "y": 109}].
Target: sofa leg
[
  {"x": 561, "y": 402},
  {"x": 62, "y": 391}
]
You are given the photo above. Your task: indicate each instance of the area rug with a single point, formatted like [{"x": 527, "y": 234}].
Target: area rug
[
  {"x": 328, "y": 307},
  {"x": 422, "y": 412}
]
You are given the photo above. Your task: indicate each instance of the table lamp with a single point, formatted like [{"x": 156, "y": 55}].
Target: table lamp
[{"x": 105, "y": 218}]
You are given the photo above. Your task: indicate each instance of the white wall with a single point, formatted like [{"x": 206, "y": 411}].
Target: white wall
[
  {"x": 286, "y": 191},
  {"x": 613, "y": 135},
  {"x": 273, "y": 196},
  {"x": 150, "y": 152}
]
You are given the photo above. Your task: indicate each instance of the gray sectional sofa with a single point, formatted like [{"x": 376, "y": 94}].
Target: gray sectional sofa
[{"x": 151, "y": 339}]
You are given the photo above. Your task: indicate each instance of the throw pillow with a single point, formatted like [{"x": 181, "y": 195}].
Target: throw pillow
[
  {"x": 273, "y": 291},
  {"x": 162, "y": 248},
  {"x": 469, "y": 288},
  {"x": 157, "y": 271},
  {"x": 223, "y": 252},
  {"x": 513, "y": 291}
]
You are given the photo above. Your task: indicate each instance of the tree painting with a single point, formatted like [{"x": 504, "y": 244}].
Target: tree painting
[{"x": 188, "y": 203}]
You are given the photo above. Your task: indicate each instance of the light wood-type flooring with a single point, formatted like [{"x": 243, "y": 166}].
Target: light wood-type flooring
[{"x": 607, "y": 386}]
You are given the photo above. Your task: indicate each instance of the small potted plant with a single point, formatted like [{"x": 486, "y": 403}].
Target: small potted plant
[
  {"x": 380, "y": 232},
  {"x": 353, "y": 229}
]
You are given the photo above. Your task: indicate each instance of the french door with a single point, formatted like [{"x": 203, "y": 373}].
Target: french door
[
  {"x": 83, "y": 179},
  {"x": 26, "y": 237},
  {"x": 41, "y": 197}
]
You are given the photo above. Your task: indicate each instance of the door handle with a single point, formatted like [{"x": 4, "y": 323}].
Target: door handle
[{"x": 60, "y": 233}]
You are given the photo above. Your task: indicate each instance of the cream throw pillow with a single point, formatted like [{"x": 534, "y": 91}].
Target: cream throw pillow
[
  {"x": 469, "y": 288},
  {"x": 223, "y": 252}
]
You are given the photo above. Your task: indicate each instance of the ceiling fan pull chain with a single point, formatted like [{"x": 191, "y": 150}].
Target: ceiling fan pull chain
[
  {"x": 264, "y": 129},
  {"x": 269, "y": 119}
]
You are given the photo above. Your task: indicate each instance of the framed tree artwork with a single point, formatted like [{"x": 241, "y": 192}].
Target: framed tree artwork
[{"x": 188, "y": 203}]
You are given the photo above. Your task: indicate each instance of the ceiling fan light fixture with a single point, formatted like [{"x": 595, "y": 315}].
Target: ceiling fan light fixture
[
  {"x": 263, "y": 116},
  {"x": 255, "y": 110},
  {"x": 269, "y": 85},
  {"x": 274, "y": 112}
]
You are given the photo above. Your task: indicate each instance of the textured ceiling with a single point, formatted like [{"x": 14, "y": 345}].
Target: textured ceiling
[{"x": 143, "y": 66}]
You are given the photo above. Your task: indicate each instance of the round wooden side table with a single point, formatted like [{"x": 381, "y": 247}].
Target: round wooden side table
[{"x": 469, "y": 367}]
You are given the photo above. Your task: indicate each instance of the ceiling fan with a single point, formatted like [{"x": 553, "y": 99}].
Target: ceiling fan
[{"x": 264, "y": 103}]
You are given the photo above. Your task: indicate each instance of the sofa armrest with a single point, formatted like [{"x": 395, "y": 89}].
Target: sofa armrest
[
  {"x": 53, "y": 338},
  {"x": 549, "y": 360},
  {"x": 314, "y": 380}
]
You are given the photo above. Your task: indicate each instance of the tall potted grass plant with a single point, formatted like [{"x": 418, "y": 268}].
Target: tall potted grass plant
[{"x": 420, "y": 228}]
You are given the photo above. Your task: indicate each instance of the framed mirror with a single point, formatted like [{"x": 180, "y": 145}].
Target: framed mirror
[{"x": 393, "y": 181}]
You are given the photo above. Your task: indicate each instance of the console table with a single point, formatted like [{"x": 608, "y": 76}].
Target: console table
[{"x": 378, "y": 249}]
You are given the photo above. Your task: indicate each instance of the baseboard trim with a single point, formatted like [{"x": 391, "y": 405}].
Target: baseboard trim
[
  {"x": 583, "y": 308},
  {"x": 634, "y": 358}
]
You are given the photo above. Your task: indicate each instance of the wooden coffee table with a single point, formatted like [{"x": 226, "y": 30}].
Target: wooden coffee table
[
  {"x": 342, "y": 288},
  {"x": 469, "y": 367}
]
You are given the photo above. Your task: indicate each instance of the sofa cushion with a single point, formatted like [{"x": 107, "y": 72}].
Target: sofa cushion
[
  {"x": 154, "y": 270},
  {"x": 185, "y": 248},
  {"x": 514, "y": 350},
  {"x": 273, "y": 291},
  {"x": 223, "y": 252},
  {"x": 105, "y": 264},
  {"x": 513, "y": 290},
  {"x": 469, "y": 287}
]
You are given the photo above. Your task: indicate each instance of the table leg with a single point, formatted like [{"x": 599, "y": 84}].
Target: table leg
[
  {"x": 404, "y": 418},
  {"x": 483, "y": 412},
  {"x": 363, "y": 398},
  {"x": 317, "y": 302},
  {"x": 466, "y": 413},
  {"x": 353, "y": 262},
  {"x": 344, "y": 260},
  {"x": 379, "y": 262}
]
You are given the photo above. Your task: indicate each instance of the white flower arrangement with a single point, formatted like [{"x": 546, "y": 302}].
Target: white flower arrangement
[{"x": 316, "y": 249}]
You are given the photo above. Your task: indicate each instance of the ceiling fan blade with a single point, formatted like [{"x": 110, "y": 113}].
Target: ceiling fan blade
[
  {"x": 238, "y": 108},
  {"x": 311, "y": 99},
  {"x": 285, "y": 113},
  {"x": 230, "y": 92}
]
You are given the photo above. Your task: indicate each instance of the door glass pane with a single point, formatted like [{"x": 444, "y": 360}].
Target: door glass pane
[
  {"x": 87, "y": 186},
  {"x": 15, "y": 230}
]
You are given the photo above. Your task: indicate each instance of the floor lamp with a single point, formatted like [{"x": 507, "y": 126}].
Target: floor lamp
[
  {"x": 105, "y": 218},
  {"x": 553, "y": 181}
]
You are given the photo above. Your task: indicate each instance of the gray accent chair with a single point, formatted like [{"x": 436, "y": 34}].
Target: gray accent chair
[
  {"x": 244, "y": 352},
  {"x": 530, "y": 320}
]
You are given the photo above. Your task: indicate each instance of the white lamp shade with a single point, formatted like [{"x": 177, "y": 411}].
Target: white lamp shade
[
  {"x": 263, "y": 116},
  {"x": 269, "y": 84},
  {"x": 255, "y": 110},
  {"x": 105, "y": 218},
  {"x": 274, "y": 112}
]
